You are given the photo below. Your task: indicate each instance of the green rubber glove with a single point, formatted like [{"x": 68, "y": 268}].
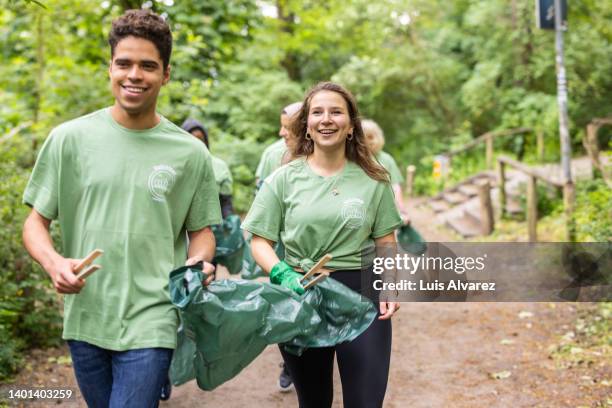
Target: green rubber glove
[{"x": 284, "y": 275}]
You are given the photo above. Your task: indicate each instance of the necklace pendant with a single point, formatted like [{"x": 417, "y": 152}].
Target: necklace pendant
[{"x": 335, "y": 192}]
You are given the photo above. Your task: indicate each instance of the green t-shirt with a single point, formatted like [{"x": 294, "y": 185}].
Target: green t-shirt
[
  {"x": 132, "y": 194},
  {"x": 223, "y": 176},
  {"x": 271, "y": 159},
  {"x": 387, "y": 161},
  {"x": 314, "y": 215}
]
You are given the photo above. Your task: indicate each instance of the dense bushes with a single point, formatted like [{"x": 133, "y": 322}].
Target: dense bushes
[
  {"x": 29, "y": 307},
  {"x": 593, "y": 211}
]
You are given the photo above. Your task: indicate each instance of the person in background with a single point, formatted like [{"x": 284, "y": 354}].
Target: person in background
[
  {"x": 375, "y": 141},
  {"x": 279, "y": 152},
  {"x": 274, "y": 156},
  {"x": 125, "y": 180},
  {"x": 333, "y": 198},
  {"x": 223, "y": 175}
]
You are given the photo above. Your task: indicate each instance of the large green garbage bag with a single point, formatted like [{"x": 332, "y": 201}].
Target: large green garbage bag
[
  {"x": 230, "y": 244},
  {"x": 225, "y": 326},
  {"x": 411, "y": 241},
  {"x": 250, "y": 269},
  {"x": 344, "y": 314}
]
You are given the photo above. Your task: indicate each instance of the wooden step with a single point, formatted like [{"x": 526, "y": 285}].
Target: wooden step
[
  {"x": 439, "y": 205},
  {"x": 465, "y": 226},
  {"x": 454, "y": 197},
  {"x": 469, "y": 190},
  {"x": 472, "y": 211}
]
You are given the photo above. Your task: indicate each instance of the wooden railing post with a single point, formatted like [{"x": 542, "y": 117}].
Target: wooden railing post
[
  {"x": 489, "y": 148},
  {"x": 486, "y": 208},
  {"x": 410, "y": 170},
  {"x": 568, "y": 206},
  {"x": 532, "y": 209},
  {"x": 501, "y": 182}
]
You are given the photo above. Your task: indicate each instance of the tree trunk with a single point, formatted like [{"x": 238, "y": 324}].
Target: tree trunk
[{"x": 290, "y": 61}]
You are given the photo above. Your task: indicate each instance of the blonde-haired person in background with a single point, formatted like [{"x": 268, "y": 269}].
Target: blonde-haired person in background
[{"x": 375, "y": 141}]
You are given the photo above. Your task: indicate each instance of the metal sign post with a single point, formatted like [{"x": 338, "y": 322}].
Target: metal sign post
[
  {"x": 547, "y": 12},
  {"x": 566, "y": 147}
]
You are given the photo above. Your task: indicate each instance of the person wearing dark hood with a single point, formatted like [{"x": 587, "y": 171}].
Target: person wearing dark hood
[{"x": 223, "y": 176}]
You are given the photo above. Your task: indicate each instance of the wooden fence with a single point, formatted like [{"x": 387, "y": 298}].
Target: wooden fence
[{"x": 532, "y": 195}]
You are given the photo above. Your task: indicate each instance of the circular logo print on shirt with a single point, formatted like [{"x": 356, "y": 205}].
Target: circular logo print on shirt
[
  {"x": 161, "y": 181},
  {"x": 353, "y": 213}
]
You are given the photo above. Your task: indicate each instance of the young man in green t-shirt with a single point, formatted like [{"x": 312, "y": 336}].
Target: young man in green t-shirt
[{"x": 125, "y": 180}]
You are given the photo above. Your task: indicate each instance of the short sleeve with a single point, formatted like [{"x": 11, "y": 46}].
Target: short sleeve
[
  {"x": 42, "y": 190},
  {"x": 387, "y": 218},
  {"x": 265, "y": 216},
  {"x": 205, "y": 209}
]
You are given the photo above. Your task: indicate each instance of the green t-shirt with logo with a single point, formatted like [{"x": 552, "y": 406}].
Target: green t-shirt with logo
[
  {"x": 223, "y": 176},
  {"x": 387, "y": 161},
  {"x": 314, "y": 215},
  {"x": 133, "y": 194},
  {"x": 271, "y": 159}
]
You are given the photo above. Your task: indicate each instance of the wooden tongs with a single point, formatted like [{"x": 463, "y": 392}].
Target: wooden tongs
[
  {"x": 82, "y": 274},
  {"x": 325, "y": 259}
]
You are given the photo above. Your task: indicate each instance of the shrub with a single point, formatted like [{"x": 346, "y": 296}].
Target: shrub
[
  {"x": 29, "y": 307},
  {"x": 593, "y": 212}
]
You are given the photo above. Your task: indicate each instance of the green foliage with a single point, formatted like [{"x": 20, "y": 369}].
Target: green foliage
[
  {"x": 550, "y": 200},
  {"x": 593, "y": 212},
  {"x": 29, "y": 308},
  {"x": 461, "y": 168}
]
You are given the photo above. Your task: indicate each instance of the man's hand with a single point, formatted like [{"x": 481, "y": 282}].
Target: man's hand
[
  {"x": 39, "y": 244},
  {"x": 207, "y": 268},
  {"x": 62, "y": 274}
]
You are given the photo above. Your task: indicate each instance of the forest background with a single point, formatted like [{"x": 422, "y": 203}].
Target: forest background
[{"x": 433, "y": 74}]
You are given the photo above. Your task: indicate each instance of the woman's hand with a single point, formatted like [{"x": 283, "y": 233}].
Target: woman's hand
[
  {"x": 284, "y": 275},
  {"x": 388, "y": 309}
]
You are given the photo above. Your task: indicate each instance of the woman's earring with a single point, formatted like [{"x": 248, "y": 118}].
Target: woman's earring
[
  {"x": 350, "y": 136},
  {"x": 308, "y": 136}
]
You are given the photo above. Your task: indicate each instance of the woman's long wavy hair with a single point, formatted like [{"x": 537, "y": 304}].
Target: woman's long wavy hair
[{"x": 356, "y": 149}]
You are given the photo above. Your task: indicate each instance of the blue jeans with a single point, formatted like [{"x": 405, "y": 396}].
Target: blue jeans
[{"x": 108, "y": 378}]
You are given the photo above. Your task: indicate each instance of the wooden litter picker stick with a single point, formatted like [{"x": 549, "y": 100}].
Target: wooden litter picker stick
[
  {"x": 85, "y": 262},
  {"x": 316, "y": 268},
  {"x": 325, "y": 259},
  {"x": 316, "y": 280}
]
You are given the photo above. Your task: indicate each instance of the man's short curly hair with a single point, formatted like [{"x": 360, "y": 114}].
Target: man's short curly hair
[{"x": 143, "y": 24}]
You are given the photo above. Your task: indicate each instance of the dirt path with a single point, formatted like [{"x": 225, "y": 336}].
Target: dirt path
[{"x": 444, "y": 355}]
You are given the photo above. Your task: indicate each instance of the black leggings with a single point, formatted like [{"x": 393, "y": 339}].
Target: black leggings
[{"x": 363, "y": 364}]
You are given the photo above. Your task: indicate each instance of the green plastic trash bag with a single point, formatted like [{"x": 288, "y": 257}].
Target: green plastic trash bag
[
  {"x": 345, "y": 314},
  {"x": 230, "y": 244},
  {"x": 411, "y": 241},
  {"x": 225, "y": 326}
]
